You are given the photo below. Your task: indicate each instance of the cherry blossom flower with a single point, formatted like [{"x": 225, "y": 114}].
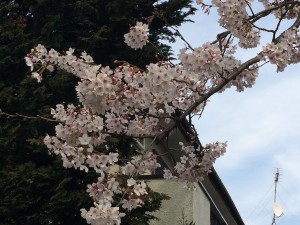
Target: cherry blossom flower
[{"x": 137, "y": 36}]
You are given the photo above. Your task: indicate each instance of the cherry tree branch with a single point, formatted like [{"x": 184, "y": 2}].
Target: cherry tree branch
[
  {"x": 202, "y": 99},
  {"x": 255, "y": 17},
  {"x": 278, "y": 24},
  {"x": 182, "y": 38},
  {"x": 266, "y": 12},
  {"x": 17, "y": 115}
]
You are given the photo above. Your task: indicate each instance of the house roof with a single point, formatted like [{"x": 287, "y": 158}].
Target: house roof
[{"x": 221, "y": 201}]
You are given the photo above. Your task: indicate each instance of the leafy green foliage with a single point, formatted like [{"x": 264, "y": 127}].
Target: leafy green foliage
[{"x": 35, "y": 188}]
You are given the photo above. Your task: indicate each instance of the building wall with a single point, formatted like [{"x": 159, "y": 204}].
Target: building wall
[
  {"x": 183, "y": 205},
  {"x": 201, "y": 206}
]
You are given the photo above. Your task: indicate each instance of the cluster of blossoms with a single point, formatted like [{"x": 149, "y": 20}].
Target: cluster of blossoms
[
  {"x": 195, "y": 163},
  {"x": 141, "y": 164},
  {"x": 78, "y": 135},
  {"x": 286, "y": 51},
  {"x": 289, "y": 9},
  {"x": 234, "y": 17},
  {"x": 121, "y": 101},
  {"x": 212, "y": 65},
  {"x": 118, "y": 186},
  {"x": 103, "y": 193},
  {"x": 137, "y": 36},
  {"x": 157, "y": 91},
  {"x": 132, "y": 102}
]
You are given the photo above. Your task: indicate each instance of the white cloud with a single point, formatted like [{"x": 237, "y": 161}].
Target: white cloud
[{"x": 254, "y": 122}]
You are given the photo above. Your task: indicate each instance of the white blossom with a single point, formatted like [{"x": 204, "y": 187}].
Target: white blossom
[{"x": 137, "y": 36}]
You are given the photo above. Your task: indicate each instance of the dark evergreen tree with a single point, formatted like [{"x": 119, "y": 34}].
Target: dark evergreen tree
[{"x": 35, "y": 188}]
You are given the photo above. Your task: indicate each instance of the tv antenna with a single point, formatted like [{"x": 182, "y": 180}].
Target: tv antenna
[{"x": 277, "y": 211}]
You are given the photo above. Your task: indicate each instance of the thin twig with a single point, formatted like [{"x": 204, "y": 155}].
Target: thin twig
[
  {"x": 278, "y": 24},
  {"x": 263, "y": 29},
  {"x": 182, "y": 38},
  {"x": 129, "y": 136},
  {"x": 266, "y": 12},
  {"x": 249, "y": 6},
  {"x": 17, "y": 115},
  {"x": 165, "y": 58}
]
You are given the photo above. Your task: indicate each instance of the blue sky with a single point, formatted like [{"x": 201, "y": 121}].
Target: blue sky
[{"x": 262, "y": 127}]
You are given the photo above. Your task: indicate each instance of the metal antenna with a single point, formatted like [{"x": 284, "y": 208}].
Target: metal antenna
[
  {"x": 277, "y": 211},
  {"x": 276, "y": 182}
]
